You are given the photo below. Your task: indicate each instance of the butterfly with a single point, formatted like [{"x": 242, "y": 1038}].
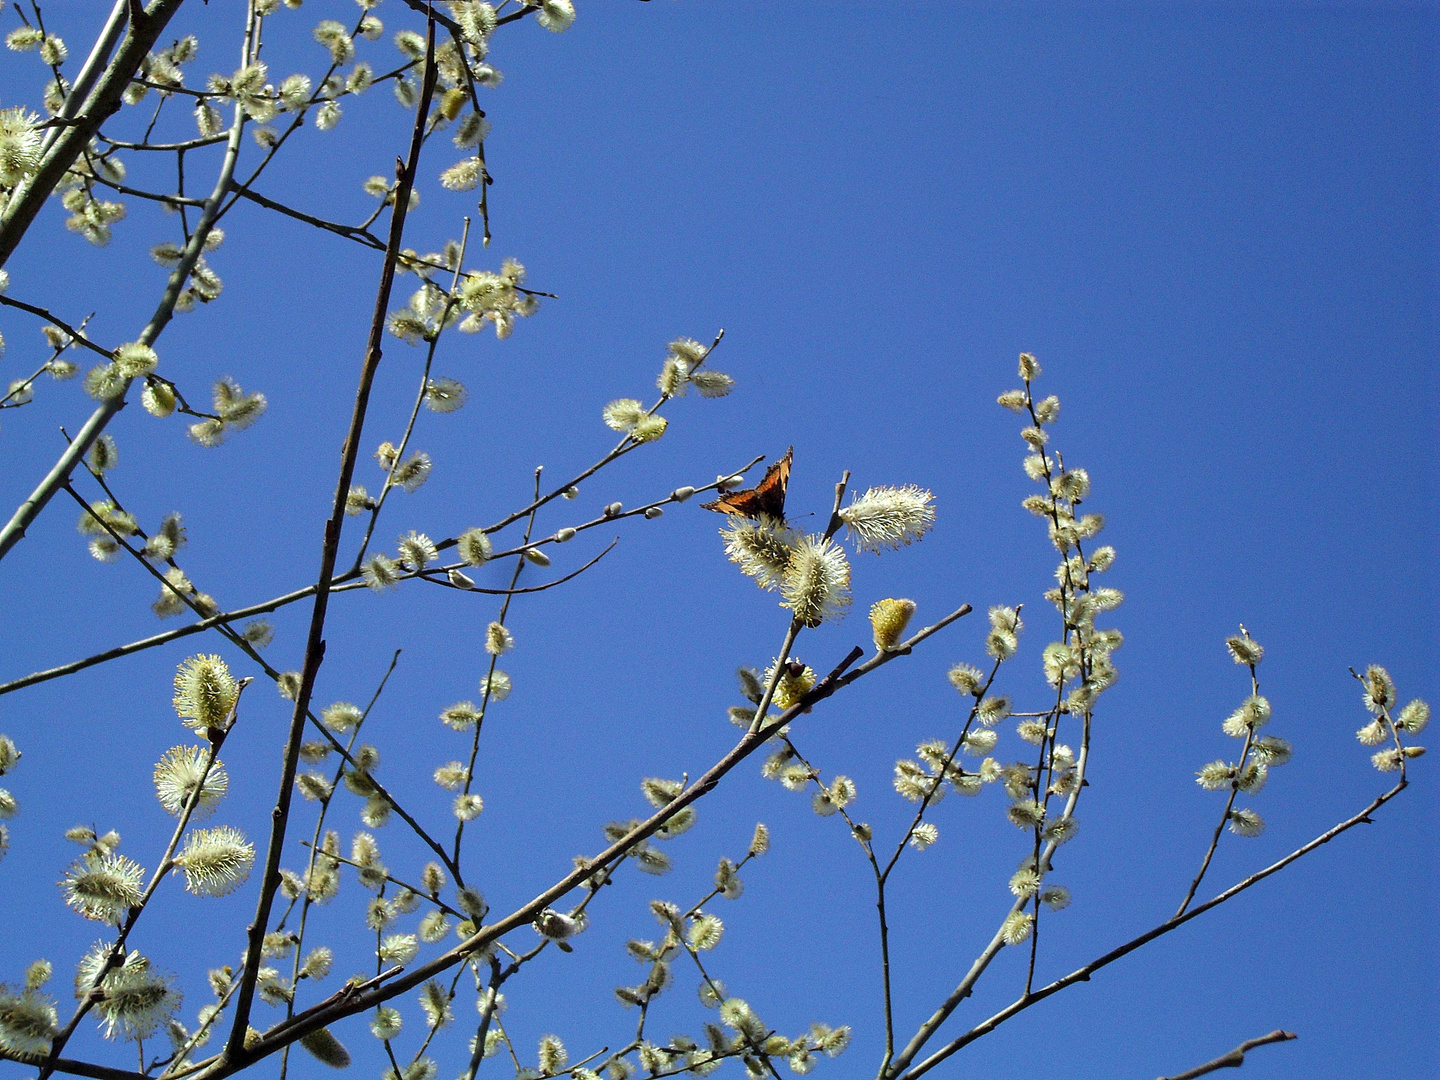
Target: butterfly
[{"x": 766, "y": 497}]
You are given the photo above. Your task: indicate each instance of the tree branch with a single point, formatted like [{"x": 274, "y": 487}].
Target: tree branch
[
  {"x": 327, "y": 1013},
  {"x": 315, "y": 645},
  {"x": 78, "y": 1068},
  {"x": 1083, "y": 974},
  {"x": 1235, "y": 1058},
  {"x": 59, "y": 474},
  {"x": 340, "y": 583},
  {"x": 101, "y": 104}
]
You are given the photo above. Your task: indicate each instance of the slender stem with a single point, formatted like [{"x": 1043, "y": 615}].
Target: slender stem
[
  {"x": 489, "y": 677},
  {"x": 1229, "y": 804},
  {"x": 74, "y": 333},
  {"x": 882, "y": 877},
  {"x": 1174, "y": 922},
  {"x": 415, "y": 409},
  {"x": 340, "y": 583},
  {"x": 967, "y": 984},
  {"x": 309, "y": 900}
]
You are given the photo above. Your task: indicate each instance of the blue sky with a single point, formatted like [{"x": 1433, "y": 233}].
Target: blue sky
[{"x": 1215, "y": 227}]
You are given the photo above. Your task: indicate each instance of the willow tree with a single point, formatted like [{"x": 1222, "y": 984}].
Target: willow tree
[{"x": 141, "y": 123}]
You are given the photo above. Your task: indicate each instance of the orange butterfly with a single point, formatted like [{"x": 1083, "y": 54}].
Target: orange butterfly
[{"x": 766, "y": 497}]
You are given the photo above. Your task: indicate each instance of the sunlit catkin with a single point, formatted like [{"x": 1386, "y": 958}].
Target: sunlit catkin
[{"x": 888, "y": 620}]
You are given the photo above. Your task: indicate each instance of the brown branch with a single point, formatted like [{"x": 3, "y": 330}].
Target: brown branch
[
  {"x": 77, "y": 1068},
  {"x": 350, "y": 232},
  {"x": 74, "y": 333},
  {"x": 156, "y": 639},
  {"x": 188, "y": 144},
  {"x": 1235, "y": 1058},
  {"x": 315, "y": 644},
  {"x": 529, "y": 588}
]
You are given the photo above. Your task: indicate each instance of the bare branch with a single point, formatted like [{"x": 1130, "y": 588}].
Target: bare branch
[
  {"x": 1083, "y": 974},
  {"x": 1235, "y": 1058},
  {"x": 78, "y": 1068}
]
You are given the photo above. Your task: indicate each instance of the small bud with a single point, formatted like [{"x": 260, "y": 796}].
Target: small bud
[
  {"x": 564, "y": 534},
  {"x": 459, "y": 580},
  {"x": 571, "y": 492},
  {"x": 654, "y": 512},
  {"x": 680, "y": 494},
  {"x": 615, "y": 509},
  {"x": 536, "y": 556},
  {"x": 862, "y": 832}
]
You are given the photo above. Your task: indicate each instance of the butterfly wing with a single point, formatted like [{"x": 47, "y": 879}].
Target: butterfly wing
[
  {"x": 766, "y": 497},
  {"x": 770, "y": 492}
]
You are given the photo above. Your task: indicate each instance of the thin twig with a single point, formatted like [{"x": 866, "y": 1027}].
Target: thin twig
[
  {"x": 1235, "y": 1058},
  {"x": 341, "y": 583},
  {"x": 1174, "y": 922}
]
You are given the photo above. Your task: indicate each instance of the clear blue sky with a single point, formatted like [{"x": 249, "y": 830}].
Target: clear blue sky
[{"x": 1213, "y": 224}]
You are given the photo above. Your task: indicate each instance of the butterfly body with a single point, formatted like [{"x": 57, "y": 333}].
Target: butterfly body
[{"x": 765, "y": 499}]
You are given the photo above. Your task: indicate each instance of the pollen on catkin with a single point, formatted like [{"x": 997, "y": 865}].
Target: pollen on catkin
[
  {"x": 816, "y": 583},
  {"x": 474, "y": 547},
  {"x": 1016, "y": 928},
  {"x": 216, "y": 861},
  {"x": 498, "y": 639},
  {"x": 762, "y": 549},
  {"x": 205, "y": 692},
  {"x": 888, "y": 620},
  {"x": 178, "y": 776},
  {"x": 889, "y": 517}
]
